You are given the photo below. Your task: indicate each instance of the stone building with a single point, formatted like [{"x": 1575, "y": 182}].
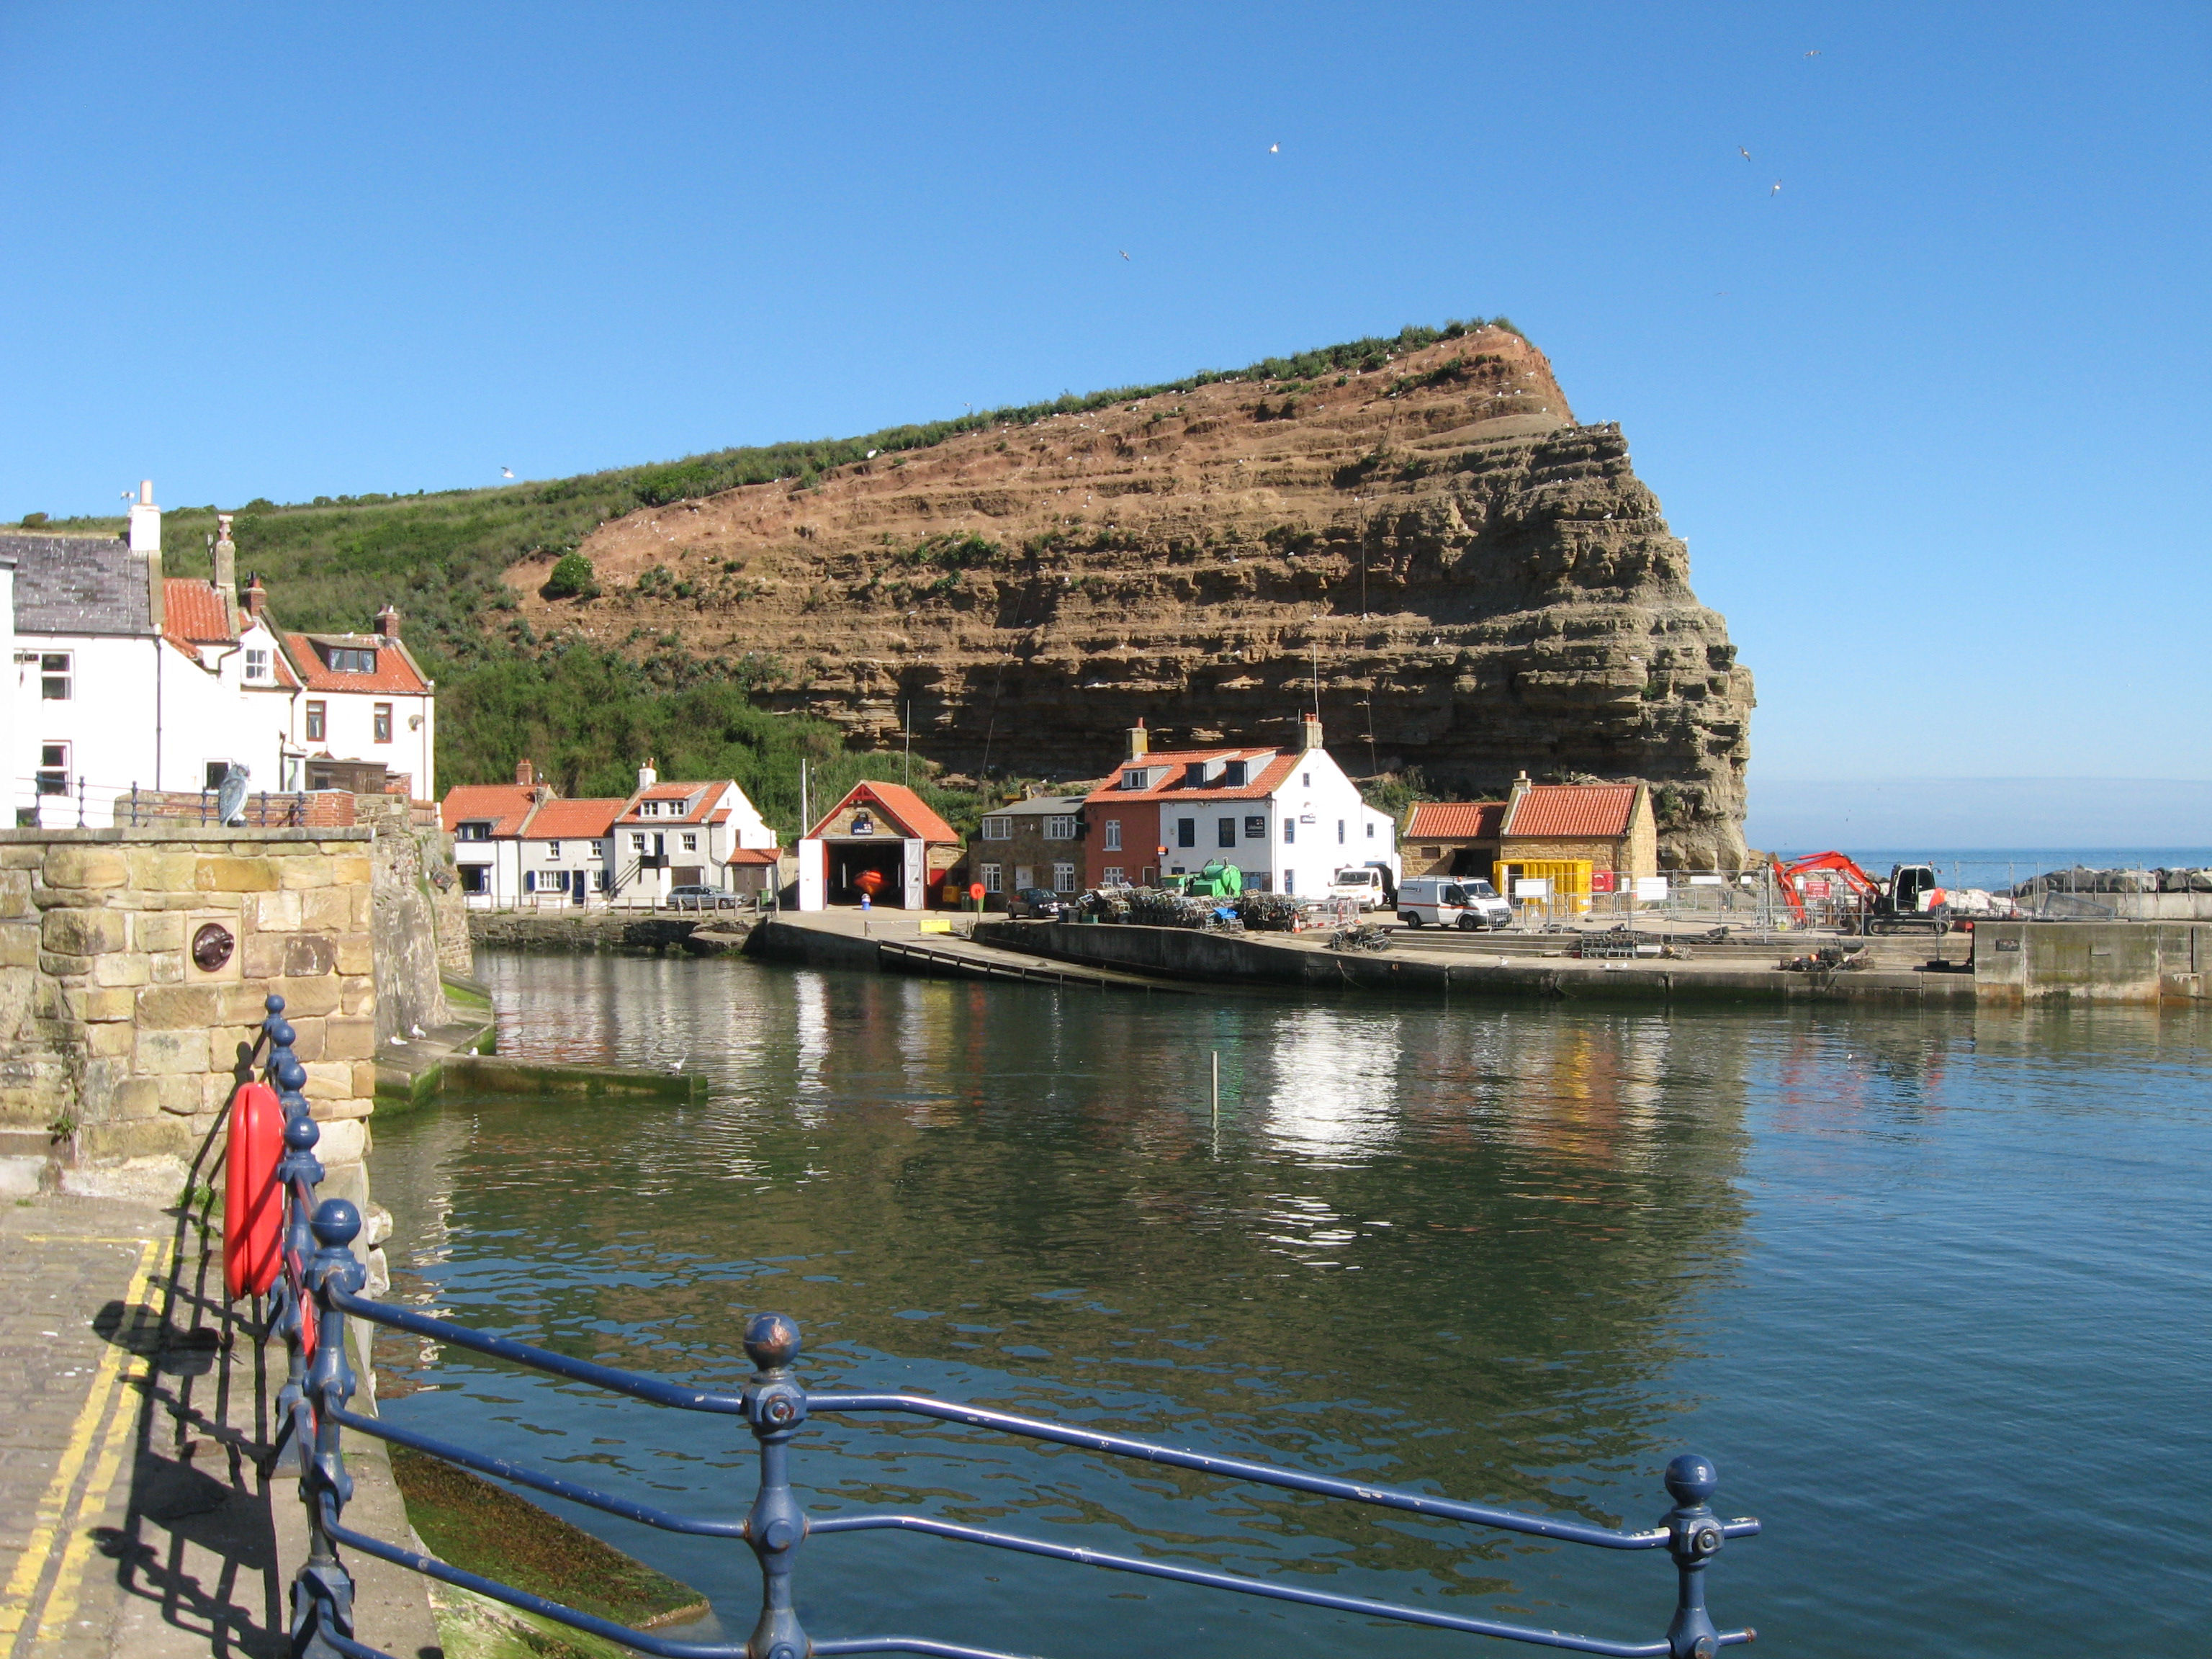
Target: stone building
[
  {"x": 1610, "y": 825},
  {"x": 1452, "y": 838},
  {"x": 1029, "y": 844}
]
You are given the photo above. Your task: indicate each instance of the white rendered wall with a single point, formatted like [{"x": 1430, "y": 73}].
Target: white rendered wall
[{"x": 350, "y": 732}]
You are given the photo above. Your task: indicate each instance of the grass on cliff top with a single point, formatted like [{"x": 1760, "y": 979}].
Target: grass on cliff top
[
  {"x": 330, "y": 563},
  {"x": 485, "y": 1529}
]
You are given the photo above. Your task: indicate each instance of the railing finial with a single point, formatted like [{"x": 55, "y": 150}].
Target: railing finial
[
  {"x": 1693, "y": 1538},
  {"x": 771, "y": 1340}
]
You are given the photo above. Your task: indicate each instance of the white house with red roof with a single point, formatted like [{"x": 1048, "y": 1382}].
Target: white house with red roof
[
  {"x": 127, "y": 679},
  {"x": 364, "y": 697},
  {"x": 682, "y": 835},
  {"x": 1288, "y": 819},
  {"x": 522, "y": 843}
]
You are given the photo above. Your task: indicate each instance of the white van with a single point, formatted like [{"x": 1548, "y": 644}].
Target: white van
[
  {"x": 1464, "y": 902},
  {"x": 1367, "y": 885}
]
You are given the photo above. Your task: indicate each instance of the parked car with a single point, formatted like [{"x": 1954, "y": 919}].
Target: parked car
[
  {"x": 698, "y": 896},
  {"x": 1039, "y": 903},
  {"x": 1463, "y": 901}
]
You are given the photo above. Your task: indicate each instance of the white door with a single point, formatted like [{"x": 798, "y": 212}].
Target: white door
[
  {"x": 914, "y": 860},
  {"x": 810, "y": 874}
]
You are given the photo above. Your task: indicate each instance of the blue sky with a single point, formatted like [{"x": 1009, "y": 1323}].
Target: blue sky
[{"x": 1933, "y": 417}]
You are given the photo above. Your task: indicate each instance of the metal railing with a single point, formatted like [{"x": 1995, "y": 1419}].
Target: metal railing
[{"x": 318, "y": 1289}]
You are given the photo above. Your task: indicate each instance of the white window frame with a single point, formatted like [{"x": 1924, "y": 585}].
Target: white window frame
[
  {"x": 994, "y": 879},
  {"x": 1063, "y": 878},
  {"x": 257, "y": 663},
  {"x": 691, "y": 840},
  {"x": 318, "y": 726},
  {"x": 53, "y": 775},
  {"x": 382, "y": 719},
  {"x": 57, "y": 669},
  {"x": 998, "y": 828},
  {"x": 1112, "y": 840},
  {"x": 552, "y": 849},
  {"x": 1059, "y": 827},
  {"x": 1113, "y": 875},
  {"x": 637, "y": 845},
  {"x": 599, "y": 851}
]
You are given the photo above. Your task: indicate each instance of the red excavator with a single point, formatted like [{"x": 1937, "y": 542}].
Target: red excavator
[{"x": 1910, "y": 902}]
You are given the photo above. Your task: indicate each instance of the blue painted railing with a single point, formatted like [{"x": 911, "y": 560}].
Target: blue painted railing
[{"x": 320, "y": 1290}]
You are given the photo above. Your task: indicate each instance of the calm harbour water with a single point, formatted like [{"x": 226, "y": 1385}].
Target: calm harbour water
[{"x": 1932, "y": 1290}]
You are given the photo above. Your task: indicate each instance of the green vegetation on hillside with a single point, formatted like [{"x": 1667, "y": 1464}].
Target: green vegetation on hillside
[
  {"x": 587, "y": 718},
  {"x": 330, "y": 564}
]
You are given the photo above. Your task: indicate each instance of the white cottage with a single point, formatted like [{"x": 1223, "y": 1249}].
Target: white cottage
[{"x": 1288, "y": 819}]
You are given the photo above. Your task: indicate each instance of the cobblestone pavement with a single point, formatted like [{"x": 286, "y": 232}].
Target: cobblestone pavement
[{"x": 141, "y": 1511}]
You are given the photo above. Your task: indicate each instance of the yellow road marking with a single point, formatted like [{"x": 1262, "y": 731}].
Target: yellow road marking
[
  {"x": 15, "y": 1601},
  {"x": 122, "y": 1429}
]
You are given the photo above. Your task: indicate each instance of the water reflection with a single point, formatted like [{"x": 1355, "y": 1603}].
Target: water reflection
[{"x": 1488, "y": 1249}]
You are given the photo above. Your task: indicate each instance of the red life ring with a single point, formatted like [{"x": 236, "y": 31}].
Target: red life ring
[{"x": 253, "y": 1203}]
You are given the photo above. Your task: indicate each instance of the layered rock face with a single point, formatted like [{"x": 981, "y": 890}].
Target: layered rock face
[{"x": 1470, "y": 582}]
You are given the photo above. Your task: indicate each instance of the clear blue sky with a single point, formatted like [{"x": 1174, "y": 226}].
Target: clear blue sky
[{"x": 1933, "y": 417}]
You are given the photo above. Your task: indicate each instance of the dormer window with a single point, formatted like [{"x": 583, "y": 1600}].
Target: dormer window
[
  {"x": 257, "y": 664},
  {"x": 1137, "y": 777},
  {"x": 352, "y": 659},
  {"x": 1232, "y": 774}
]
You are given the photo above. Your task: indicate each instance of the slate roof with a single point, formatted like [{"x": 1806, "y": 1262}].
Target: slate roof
[
  {"x": 78, "y": 585},
  {"x": 1573, "y": 809},
  {"x": 1036, "y": 806},
  {"x": 1445, "y": 820}
]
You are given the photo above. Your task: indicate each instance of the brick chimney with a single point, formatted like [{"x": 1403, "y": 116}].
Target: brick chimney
[
  {"x": 146, "y": 543},
  {"x": 255, "y": 600},
  {"x": 226, "y": 568},
  {"x": 1140, "y": 741},
  {"x": 1309, "y": 731},
  {"x": 524, "y": 773},
  {"x": 387, "y": 622}
]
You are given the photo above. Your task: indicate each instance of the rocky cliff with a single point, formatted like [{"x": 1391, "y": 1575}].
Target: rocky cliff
[{"x": 1477, "y": 583}]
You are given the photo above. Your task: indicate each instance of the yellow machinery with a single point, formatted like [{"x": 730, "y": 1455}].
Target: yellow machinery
[{"x": 1570, "y": 879}]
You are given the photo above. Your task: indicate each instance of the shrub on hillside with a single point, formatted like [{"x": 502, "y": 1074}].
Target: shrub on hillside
[{"x": 573, "y": 578}]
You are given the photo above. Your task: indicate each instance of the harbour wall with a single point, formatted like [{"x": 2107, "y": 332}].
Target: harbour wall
[
  {"x": 1187, "y": 954},
  {"x": 2168, "y": 962}
]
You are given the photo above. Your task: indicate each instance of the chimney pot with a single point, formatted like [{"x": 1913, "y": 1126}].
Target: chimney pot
[
  {"x": 1310, "y": 731},
  {"x": 387, "y": 622},
  {"x": 255, "y": 596}
]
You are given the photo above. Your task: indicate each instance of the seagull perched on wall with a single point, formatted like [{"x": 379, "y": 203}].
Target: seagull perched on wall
[{"x": 230, "y": 800}]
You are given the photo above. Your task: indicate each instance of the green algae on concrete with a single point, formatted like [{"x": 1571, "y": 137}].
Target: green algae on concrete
[
  {"x": 483, "y": 1528},
  {"x": 486, "y": 1074}
]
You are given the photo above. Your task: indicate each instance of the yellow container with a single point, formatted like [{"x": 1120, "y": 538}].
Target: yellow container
[{"x": 1570, "y": 879}]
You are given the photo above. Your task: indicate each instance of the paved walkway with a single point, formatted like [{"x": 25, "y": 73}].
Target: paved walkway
[{"x": 141, "y": 1511}]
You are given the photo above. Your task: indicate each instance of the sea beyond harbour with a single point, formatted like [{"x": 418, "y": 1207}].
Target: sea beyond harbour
[{"x": 1930, "y": 1287}]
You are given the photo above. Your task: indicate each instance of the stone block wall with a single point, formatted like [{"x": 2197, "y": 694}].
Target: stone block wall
[{"x": 113, "y": 1026}]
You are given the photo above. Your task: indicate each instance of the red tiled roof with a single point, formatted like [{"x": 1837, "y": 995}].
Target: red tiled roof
[
  {"x": 1573, "y": 809},
  {"x": 503, "y": 805},
  {"x": 708, "y": 796},
  {"x": 905, "y": 808},
  {"x": 1452, "y": 820},
  {"x": 754, "y": 855},
  {"x": 193, "y": 613},
  {"x": 395, "y": 671},
  {"x": 1277, "y": 765},
  {"x": 572, "y": 820}
]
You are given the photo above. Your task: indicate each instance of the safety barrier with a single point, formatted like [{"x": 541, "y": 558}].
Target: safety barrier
[{"x": 318, "y": 1289}]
